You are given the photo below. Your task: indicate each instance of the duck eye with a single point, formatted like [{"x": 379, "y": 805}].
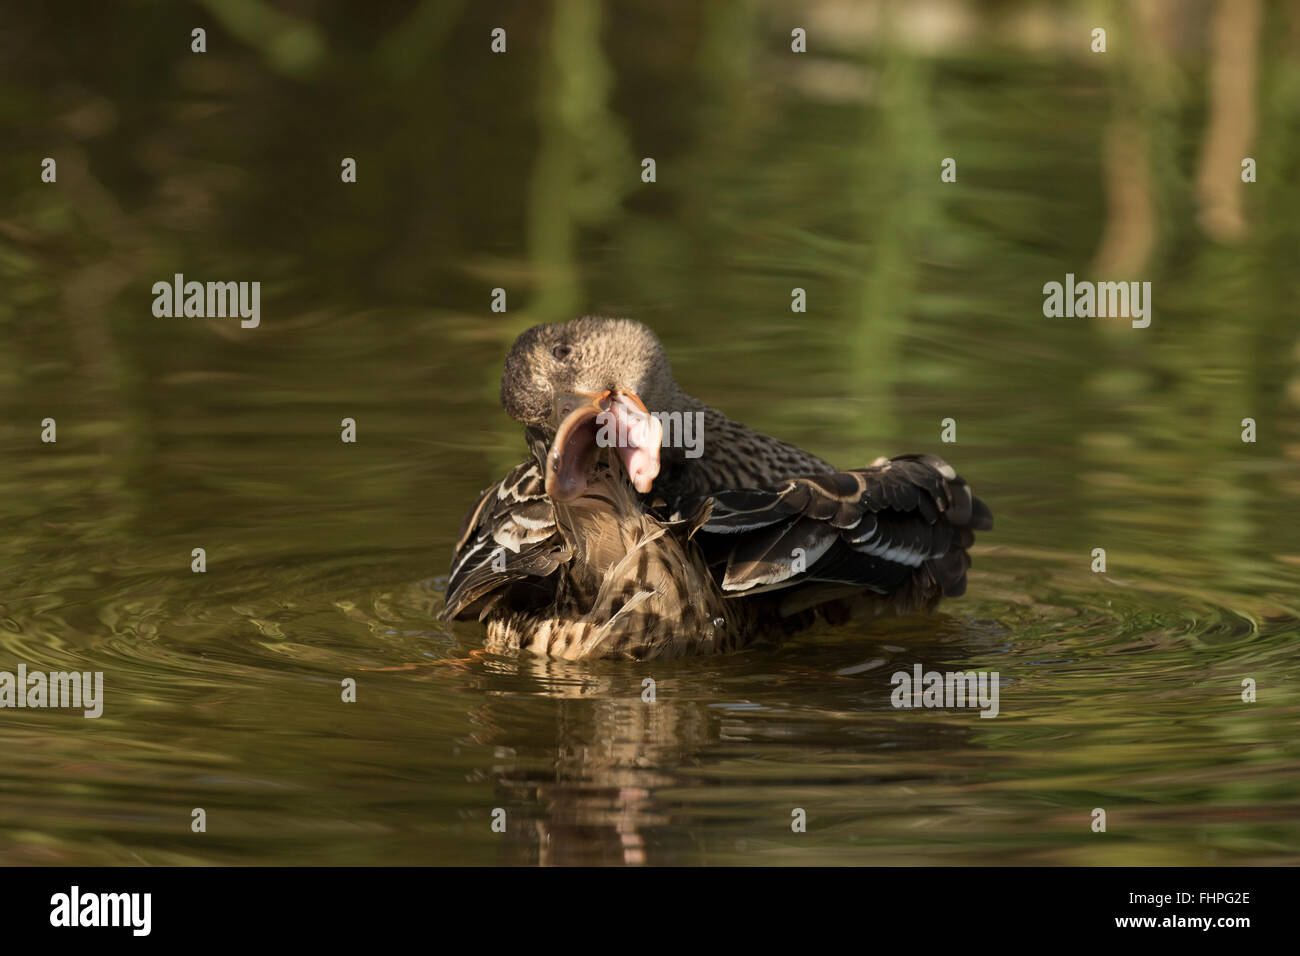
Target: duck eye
[{"x": 561, "y": 352}]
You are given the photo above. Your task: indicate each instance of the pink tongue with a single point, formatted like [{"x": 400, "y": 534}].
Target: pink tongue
[{"x": 640, "y": 454}]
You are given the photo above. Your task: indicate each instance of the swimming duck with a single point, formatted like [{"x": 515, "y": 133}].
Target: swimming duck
[{"x": 617, "y": 537}]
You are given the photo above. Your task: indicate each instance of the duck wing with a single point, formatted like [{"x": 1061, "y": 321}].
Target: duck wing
[
  {"x": 509, "y": 547},
  {"x": 869, "y": 529}
]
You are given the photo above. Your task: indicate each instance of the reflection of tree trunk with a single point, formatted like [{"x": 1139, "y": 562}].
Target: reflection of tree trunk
[
  {"x": 87, "y": 296},
  {"x": 1139, "y": 138},
  {"x": 1130, "y": 232},
  {"x": 1234, "y": 34}
]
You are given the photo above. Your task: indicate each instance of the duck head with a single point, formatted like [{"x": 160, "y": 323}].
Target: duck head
[{"x": 587, "y": 385}]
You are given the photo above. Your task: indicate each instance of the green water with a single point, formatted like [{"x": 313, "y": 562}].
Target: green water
[{"x": 326, "y": 560}]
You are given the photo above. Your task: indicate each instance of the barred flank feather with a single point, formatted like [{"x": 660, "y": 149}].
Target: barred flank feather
[{"x": 636, "y": 587}]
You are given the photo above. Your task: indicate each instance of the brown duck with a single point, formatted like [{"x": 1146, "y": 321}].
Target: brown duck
[{"x": 645, "y": 524}]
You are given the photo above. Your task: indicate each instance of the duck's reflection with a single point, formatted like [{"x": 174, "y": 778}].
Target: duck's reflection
[
  {"x": 608, "y": 782},
  {"x": 586, "y": 794}
]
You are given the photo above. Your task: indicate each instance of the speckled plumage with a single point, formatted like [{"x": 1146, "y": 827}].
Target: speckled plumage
[{"x": 753, "y": 538}]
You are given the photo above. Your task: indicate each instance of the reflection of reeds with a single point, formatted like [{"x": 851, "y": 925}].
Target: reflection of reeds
[
  {"x": 898, "y": 178},
  {"x": 583, "y": 166},
  {"x": 293, "y": 46}
]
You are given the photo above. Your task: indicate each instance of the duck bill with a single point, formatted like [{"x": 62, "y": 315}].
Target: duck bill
[{"x": 590, "y": 423}]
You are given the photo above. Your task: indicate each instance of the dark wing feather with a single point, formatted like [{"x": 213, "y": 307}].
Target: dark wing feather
[
  {"x": 872, "y": 528},
  {"x": 509, "y": 546}
]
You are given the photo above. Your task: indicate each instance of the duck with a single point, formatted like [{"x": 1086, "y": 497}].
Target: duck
[{"x": 644, "y": 524}]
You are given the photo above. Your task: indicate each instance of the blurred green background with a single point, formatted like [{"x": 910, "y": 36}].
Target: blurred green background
[{"x": 522, "y": 171}]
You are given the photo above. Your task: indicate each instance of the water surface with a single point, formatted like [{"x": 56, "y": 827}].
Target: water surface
[{"x": 1118, "y": 690}]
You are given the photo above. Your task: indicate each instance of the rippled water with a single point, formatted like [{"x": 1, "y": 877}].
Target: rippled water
[{"x": 326, "y": 560}]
